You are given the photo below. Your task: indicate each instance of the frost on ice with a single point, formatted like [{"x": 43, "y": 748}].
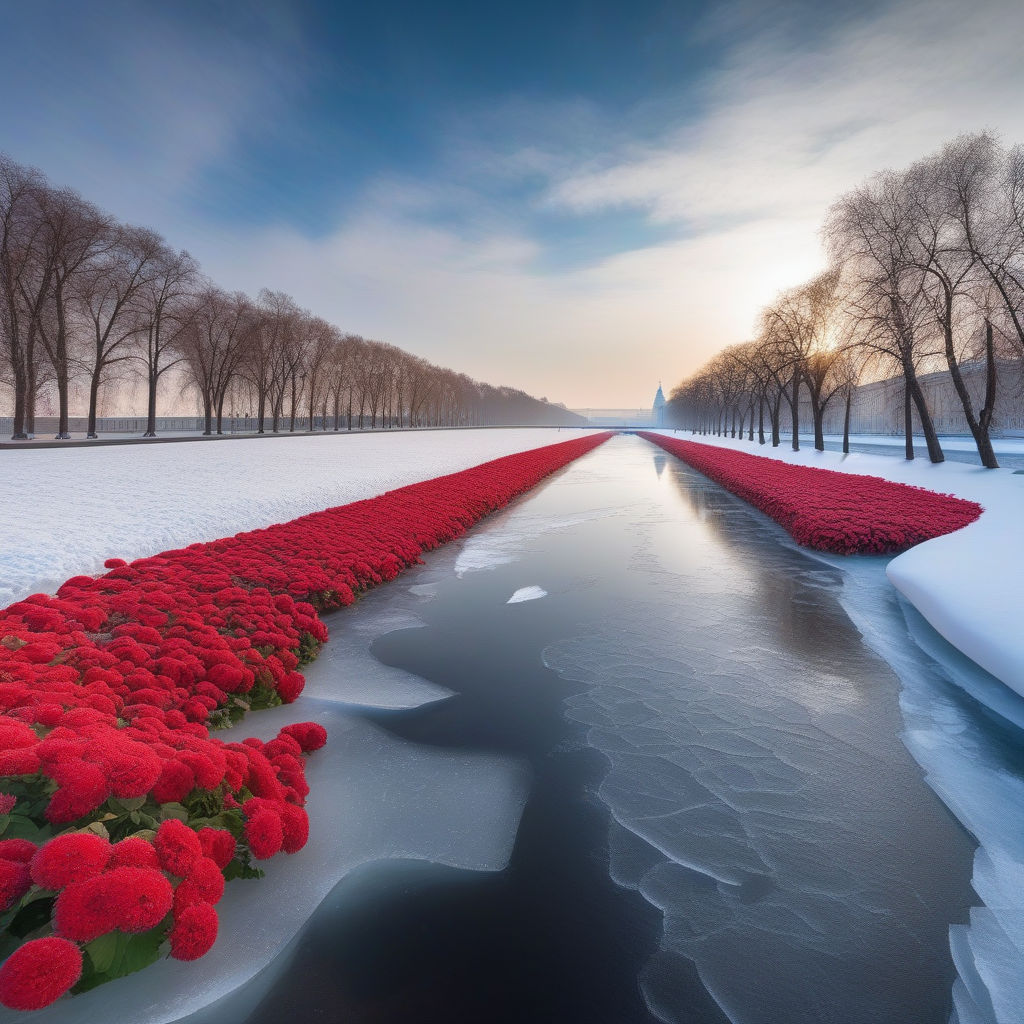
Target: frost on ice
[{"x": 527, "y": 594}]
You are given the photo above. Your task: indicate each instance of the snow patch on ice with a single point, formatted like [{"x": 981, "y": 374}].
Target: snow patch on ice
[{"x": 527, "y": 594}]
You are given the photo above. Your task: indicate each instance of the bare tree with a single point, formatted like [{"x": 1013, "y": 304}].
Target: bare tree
[
  {"x": 866, "y": 230},
  {"x": 107, "y": 292},
  {"x": 214, "y": 347},
  {"x": 164, "y": 306}
]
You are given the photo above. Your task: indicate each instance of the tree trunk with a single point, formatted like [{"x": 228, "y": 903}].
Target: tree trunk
[
  {"x": 94, "y": 397},
  {"x": 846, "y": 421},
  {"x": 60, "y": 366},
  {"x": 989, "y": 408},
  {"x": 795, "y": 410},
  {"x": 979, "y": 432},
  {"x": 151, "y": 405},
  {"x": 819, "y": 426},
  {"x": 18, "y": 433},
  {"x": 931, "y": 438},
  {"x": 908, "y": 421},
  {"x": 776, "y": 415},
  {"x": 208, "y": 415},
  {"x": 31, "y": 390},
  {"x": 760, "y": 419}
]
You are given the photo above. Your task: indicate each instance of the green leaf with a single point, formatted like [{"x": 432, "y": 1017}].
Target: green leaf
[
  {"x": 33, "y": 912},
  {"x": 173, "y": 811},
  {"x": 119, "y": 954},
  {"x": 140, "y": 951},
  {"x": 129, "y": 803},
  {"x": 238, "y": 869},
  {"x": 21, "y": 827},
  {"x": 103, "y": 951},
  {"x": 97, "y": 828}
]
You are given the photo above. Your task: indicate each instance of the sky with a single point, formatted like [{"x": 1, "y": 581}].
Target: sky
[{"x": 578, "y": 199}]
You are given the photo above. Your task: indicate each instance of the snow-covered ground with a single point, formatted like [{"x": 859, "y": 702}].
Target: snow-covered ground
[
  {"x": 967, "y": 584},
  {"x": 66, "y": 510}
]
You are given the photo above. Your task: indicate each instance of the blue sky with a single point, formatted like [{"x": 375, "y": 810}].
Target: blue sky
[{"x": 575, "y": 198}]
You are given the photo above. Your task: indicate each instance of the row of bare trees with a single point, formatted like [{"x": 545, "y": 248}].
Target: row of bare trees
[
  {"x": 86, "y": 300},
  {"x": 925, "y": 272}
]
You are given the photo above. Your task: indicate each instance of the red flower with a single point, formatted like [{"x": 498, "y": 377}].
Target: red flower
[
  {"x": 140, "y": 897},
  {"x": 264, "y": 834},
  {"x": 21, "y": 850},
  {"x": 69, "y": 858},
  {"x": 7, "y": 803},
  {"x": 218, "y": 844},
  {"x": 175, "y": 783},
  {"x": 295, "y": 827},
  {"x": 38, "y": 973},
  {"x": 14, "y": 882},
  {"x": 83, "y": 787},
  {"x": 203, "y": 884},
  {"x": 84, "y": 911},
  {"x": 194, "y": 932},
  {"x": 177, "y": 846},
  {"x": 309, "y": 735},
  {"x": 845, "y": 513},
  {"x": 133, "y": 853}
]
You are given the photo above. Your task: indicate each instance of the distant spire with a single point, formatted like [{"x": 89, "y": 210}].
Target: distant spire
[{"x": 658, "y": 409}]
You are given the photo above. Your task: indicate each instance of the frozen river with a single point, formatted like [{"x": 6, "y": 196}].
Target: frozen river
[{"x": 622, "y": 755}]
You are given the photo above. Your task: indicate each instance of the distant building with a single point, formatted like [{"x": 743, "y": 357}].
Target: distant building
[
  {"x": 658, "y": 410},
  {"x": 631, "y": 419}
]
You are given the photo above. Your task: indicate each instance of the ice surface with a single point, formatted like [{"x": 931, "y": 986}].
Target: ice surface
[
  {"x": 374, "y": 797},
  {"x": 66, "y": 510},
  {"x": 760, "y": 795},
  {"x": 488, "y": 549},
  {"x": 972, "y": 760},
  {"x": 527, "y": 594},
  {"x": 965, "y": 584}
]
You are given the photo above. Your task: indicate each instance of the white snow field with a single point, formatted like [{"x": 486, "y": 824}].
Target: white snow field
[
  {"x": 966, "y": 584},
  {"x": 66, "y": 510}
]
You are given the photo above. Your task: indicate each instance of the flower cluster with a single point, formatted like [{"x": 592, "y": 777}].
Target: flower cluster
[
  {"x": 121, "y": 816},
  {"x": 840, "y": 512}
]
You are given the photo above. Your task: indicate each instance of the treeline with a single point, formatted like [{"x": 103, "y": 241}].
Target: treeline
[
  {"x": 87, "y": 300},
  {"x": 925, "y": 272}
]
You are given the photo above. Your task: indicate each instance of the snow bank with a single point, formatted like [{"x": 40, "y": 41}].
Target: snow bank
[
  {"x": 66, "y": 510},
  {"x": 966, "y": 584}
]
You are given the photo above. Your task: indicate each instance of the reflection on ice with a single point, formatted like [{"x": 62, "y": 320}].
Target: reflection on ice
[{"x": 760, "y": 795}]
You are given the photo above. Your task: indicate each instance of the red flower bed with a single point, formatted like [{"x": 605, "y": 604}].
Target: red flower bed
[
  {"x": 820, "y": 508},
  {"x": 121, "y": 817}
]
